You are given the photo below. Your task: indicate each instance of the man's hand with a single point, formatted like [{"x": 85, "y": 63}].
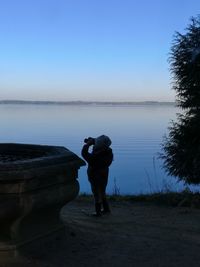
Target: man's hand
[{"x": 90, "y": 141}]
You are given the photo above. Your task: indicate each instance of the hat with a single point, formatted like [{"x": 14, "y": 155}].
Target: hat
[{"x": 102, "y": 141}]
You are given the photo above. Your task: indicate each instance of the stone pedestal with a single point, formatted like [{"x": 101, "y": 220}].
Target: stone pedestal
[{"x": 35, "y": 183}]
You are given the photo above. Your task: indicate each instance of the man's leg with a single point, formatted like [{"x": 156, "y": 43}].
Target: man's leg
[
  {"x": 104, "y": 182},
  {"x": 97, "y": 197}
]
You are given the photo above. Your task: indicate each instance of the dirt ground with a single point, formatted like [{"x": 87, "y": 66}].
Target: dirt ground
[{"x": 135, "y": 234}]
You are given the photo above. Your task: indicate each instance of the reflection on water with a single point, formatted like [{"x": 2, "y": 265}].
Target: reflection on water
[{"x": 136, "y": 132}]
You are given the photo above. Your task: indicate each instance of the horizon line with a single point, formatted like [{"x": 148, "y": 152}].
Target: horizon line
[{"x": 19, "y": 101}]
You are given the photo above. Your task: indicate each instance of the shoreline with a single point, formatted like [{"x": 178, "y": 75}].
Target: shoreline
[{"x": 184, "y": 198}]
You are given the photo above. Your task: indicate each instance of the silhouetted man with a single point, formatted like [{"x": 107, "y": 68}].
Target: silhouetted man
[{"x": 98, "y": 161}]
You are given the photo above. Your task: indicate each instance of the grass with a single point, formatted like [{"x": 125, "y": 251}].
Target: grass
[{"x": 185, "y": 198}]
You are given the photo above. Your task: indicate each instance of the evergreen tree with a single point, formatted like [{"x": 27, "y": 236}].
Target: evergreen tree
[{"x": 181, "y": 149}]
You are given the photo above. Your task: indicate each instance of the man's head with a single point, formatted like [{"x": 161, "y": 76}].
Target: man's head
[{"x": 102, "y": 142}]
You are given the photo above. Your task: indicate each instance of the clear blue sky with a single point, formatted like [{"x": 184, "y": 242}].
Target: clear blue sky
[{"x": 89, "y": 49}]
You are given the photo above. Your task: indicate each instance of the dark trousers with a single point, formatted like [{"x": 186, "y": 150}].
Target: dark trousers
[{"x": 98, "y": 180}]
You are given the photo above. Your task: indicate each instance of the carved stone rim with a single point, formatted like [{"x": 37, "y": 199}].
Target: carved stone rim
[{"x": 40, "y": 156}]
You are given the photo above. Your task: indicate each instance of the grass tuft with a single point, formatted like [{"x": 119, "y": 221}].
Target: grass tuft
[{"x": 174, "y": 199}]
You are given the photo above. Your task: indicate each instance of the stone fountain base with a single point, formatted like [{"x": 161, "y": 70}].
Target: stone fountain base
[{"x": 35, "y": 183}]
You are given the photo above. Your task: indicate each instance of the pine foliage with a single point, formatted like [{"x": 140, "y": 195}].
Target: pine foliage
[{"x": 181, "y": 149}]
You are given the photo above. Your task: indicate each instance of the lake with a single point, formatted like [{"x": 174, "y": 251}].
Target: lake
[{"x": 136, "y": 132}]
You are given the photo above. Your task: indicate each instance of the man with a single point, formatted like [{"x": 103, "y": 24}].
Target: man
[{"x": 98, "y": 161}]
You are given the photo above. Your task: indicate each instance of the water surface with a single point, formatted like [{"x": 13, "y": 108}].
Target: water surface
[{"x": 136, "y": 132}]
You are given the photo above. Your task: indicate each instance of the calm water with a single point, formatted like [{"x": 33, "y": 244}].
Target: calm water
[{"x": 136, "y": 132}]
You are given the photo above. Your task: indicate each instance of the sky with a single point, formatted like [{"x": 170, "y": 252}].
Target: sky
[{"x": 90, "y": 50}]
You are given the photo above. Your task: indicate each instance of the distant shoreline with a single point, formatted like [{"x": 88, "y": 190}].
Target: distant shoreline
[{"x": 78, "y": 103}]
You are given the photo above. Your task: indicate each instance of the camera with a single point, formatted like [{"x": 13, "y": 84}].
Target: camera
[{"x": 89, "y": 139}]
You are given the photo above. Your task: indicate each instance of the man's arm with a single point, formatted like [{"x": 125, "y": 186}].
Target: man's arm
[{"x": 89, "y": 157}]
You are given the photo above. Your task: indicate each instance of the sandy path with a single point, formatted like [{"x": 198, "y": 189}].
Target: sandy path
[{"x": 135, "y": 234}]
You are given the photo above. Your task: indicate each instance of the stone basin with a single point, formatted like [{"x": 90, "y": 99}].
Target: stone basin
[{"x": 36, "y": 181}]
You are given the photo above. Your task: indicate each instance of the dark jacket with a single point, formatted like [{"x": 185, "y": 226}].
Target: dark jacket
[{"x": 97, "y": 160}]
